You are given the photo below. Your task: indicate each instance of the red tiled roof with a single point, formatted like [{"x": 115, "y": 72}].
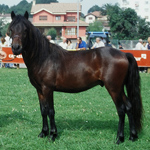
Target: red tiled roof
[
  {"x": 5, "y": 15},
  {"x": 55, "y": 8},
  {"x": 96, "y": 13}
]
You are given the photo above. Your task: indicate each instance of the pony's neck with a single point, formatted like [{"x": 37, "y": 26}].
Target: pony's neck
[{"x": 36, "y": 49}]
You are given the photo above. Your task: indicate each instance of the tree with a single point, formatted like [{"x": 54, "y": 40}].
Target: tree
[
  {"x": 96, "y": 26},
  {"x": 21, "y": 7},
  {"x": 4, "y": 8},
  {"x": 123, "y": 23},
  {"x": 143, "y": 29},
  {"x": 4, "y": 29},
  {"x": 46, "y": 1},
  {"x": 97, "y": 8},
  {"x": 52, "y": 32},
  {"x": 94, "y": 8}
]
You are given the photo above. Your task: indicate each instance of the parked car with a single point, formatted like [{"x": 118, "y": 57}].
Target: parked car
[{"x": 93, "y": 35}]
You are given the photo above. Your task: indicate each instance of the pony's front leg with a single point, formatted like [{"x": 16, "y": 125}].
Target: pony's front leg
[
  {"x": 51, "y": 114},
  {"x": 44, "y": 112}
]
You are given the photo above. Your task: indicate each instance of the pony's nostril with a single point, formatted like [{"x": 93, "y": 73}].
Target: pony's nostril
[{"x": 16, "y": 46}]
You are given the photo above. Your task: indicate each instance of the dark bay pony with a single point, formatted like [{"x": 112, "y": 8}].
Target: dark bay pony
[{"x": 51, "y": 68}]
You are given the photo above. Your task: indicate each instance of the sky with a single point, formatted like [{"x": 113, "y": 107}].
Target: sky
[{"x": 86, "y": 4}]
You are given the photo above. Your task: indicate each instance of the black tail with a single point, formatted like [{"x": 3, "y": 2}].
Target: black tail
[{"x": 134, "y": 92}]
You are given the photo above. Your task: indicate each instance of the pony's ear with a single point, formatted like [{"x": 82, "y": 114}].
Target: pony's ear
[
  {"x": 13, "y": 15},
  {"x": 26, "y": 15}
]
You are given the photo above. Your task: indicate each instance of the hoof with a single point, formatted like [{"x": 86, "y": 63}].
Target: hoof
[
  {"x": 133, "y": 137},
  {"x": 53, "y": 136},
  {"x": 43, "y": 134},
  {"x": 120, "y": 140}
]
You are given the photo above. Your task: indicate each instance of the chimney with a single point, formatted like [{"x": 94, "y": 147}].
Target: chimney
[{"x": 34, "y": 2}]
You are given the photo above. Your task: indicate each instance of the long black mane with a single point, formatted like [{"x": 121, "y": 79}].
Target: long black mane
[{"x": 37, "y": 45}]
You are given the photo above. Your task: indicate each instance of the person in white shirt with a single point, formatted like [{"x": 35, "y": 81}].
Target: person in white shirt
[
  {"x": 144, "y": 46},
  {"x": 50, "y": 39},
  {"x": 8, "y": 40},
  {"x": 3, "y": 43},
  {"x": 98, "y": 43},
  {"x": 69, "y": 44},
  {"x": 139, "y": 45},
  {"x": 63, "y": 44}
]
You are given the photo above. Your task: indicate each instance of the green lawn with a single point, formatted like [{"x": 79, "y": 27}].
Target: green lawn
[{"x": 85, "y": 121}]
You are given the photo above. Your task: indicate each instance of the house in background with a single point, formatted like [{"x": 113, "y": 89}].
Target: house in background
[
  {"x": 142, "y": 8},
  {"x": 96, "y": 15},
  {"x": 61, "y": 16},
  {"x": 6, "y": 18}
]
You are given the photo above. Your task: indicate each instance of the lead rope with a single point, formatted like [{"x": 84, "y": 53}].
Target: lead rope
[{"x": 9, "y": 59}]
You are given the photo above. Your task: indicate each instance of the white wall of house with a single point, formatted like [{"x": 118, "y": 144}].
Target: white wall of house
[
  {"x": 90, "y": 18},
  {"x": 5, "y": 20}
]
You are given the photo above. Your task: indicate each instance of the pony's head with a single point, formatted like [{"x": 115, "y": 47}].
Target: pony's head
[{"x": 18, "y": 30}]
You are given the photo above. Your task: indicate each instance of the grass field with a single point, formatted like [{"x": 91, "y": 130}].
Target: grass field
[{"x": 85, "y": 121}]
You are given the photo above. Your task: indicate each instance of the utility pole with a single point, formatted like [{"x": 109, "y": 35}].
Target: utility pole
[{"x": 77, "y": 18}]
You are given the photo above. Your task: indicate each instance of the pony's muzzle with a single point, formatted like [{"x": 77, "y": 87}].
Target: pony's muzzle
[
  {"x": 16, "y": 46},
  {"x": 16, "y": 49}
]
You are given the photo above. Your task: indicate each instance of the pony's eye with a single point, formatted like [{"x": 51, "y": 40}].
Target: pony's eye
[{"x": 25, "y": 32}]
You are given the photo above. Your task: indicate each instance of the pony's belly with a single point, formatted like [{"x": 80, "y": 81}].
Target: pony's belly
[{"x": 73, "y": 88}]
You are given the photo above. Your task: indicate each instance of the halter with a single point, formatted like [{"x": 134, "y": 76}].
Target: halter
[{"x": 16, "y": 36}]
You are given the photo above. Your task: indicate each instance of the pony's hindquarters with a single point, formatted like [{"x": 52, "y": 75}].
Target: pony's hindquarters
[{"x": 134, "y": 92}]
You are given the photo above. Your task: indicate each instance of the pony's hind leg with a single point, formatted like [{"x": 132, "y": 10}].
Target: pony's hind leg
[
  {"x": 116, "y": 94},
  {"x": 121, "y": 114},
  {"x": 133, "y": 132}
]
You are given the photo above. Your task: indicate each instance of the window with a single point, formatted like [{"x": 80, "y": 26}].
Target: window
[
  {"x": 90, "y": 18},
  {"x": 70, "y": 31},
  {"x": 71, "y": 18},
  {"x": 146, "y": 2},
  {"x": 125, "y": 2},
  {"x": 58, "y": 17},
  {"x": 136, "y": 4},
  {"x": 42, "y": 17}
]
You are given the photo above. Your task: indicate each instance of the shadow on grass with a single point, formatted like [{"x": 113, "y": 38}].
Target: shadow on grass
[
  {"x": 97, "y": 126},
  {"x": 90, "y": 125},
  {"x": 7, "y": 119}
]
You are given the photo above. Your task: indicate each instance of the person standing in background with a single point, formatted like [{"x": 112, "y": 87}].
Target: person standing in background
[
  {"x": 50, "y": 39},
  {"x": 148, "y": 44},
  {"x": 8, "y": 40},
  {"x": 139, "y": 45}
]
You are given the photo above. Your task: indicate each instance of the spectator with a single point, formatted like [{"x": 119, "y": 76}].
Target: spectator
[
  {"x": 109, "y": 44},
  {"x": 104, "y": 41},
  {"x": 139, "y": 45},
  {"x": 120, "y": 46},
  {"x": 148, "y": 44},
  {"x": 8, "y": 40},
  {"x": 63, "y": 44},
  {"x": 144, "y": 47},
  {"x": 3, "y": 43},
  {"x": 98, "y": 43},
  {"x": 81, "y": 45},
  {"x": 50, "y": 39},
  {"x": 69, "y": 44}
]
